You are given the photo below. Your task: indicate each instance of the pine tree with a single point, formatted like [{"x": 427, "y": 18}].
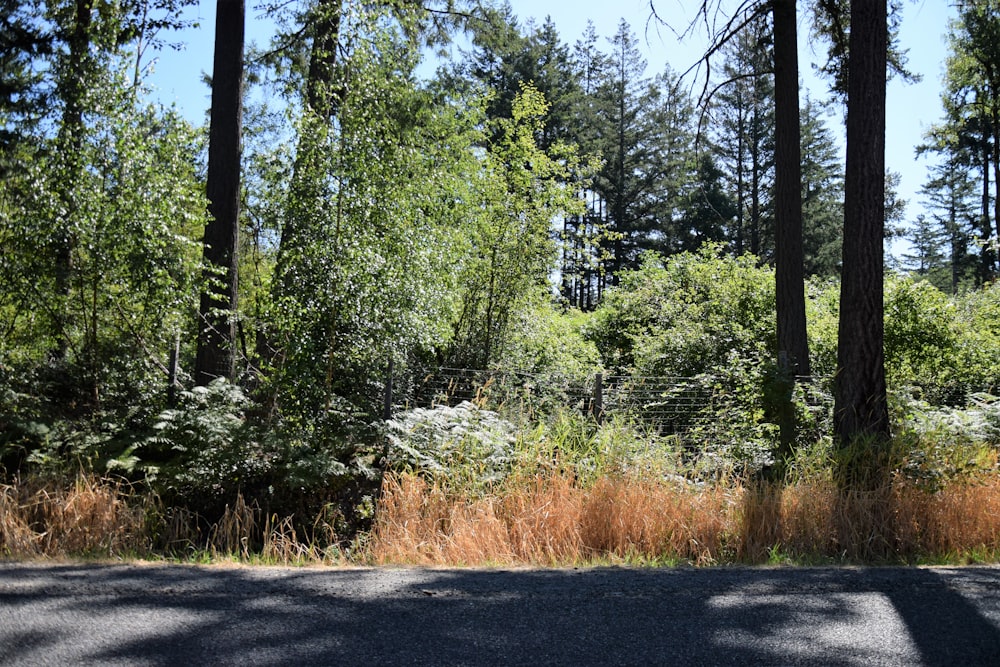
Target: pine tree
[
  {"x": 949, "y": 195},
  {"x": 861, "y": 413},
  {"x": 743, "y": 129},
  {"x": 822, "y": 194},
  {"x": 626, "y": 137},
  {"x": 217, "y": 328},
  {"x": 972, "y": 113},
  {"x": 583, "y": 278},
  {"x": 927, "y": 258}
]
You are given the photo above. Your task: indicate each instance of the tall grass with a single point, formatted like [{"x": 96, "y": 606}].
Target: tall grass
[
  {"x": 539, "y": 516},
  {"x": 549, "y": 520},
  {"x": 86, "y": 517},
  {"x": 96, "y": 517}
]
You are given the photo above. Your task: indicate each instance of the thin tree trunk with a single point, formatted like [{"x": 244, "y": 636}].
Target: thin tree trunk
[
  {"x": 217, "y": 331},
  {"x": 860, "y": 411},
  {"x": 986, "y": 229}
]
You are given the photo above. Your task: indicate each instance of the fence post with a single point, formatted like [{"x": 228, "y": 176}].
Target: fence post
[
  {"x": 173, "y": 368},
  {"x": 387, "y": 396},
  {"x": 599, "y": 397}
]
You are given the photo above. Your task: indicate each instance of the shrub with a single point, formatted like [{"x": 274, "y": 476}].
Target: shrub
[{"x": 689, "y": 314}]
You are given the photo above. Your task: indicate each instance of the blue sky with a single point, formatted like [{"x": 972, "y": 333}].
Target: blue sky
[{"x": 912, "y": 108}]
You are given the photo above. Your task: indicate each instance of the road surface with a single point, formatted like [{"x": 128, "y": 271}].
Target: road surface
[{"x": 186, "y": 615}]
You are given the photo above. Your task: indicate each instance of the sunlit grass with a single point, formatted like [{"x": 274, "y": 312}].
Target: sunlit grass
[
  {"x": 548, "y": 517},
  {"x": 548, "y": 520}
]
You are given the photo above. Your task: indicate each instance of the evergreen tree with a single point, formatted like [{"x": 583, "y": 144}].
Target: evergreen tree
[
  {"x": 582, "y": 272},
  {"x": 927, "y": 258},
  {"x": 861, "y": 413},
  {"x": 217, "y": 331},
  {"x": 627, "y": 139},
  {"x": 970, "y": 132},
  {"x": 949, "y": 196},
  {"x": 22, "y": 42},
  {"x": 822, "y": 194},
  {"x": 743, "y": 129}
]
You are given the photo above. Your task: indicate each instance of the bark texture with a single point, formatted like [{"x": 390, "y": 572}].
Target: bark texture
[
  {"x": 860, "y": 410},
  {"x": 217, "y": 333}
]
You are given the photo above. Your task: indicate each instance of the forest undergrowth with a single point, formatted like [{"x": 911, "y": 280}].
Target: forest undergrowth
[{"x": 569, "y": 495}]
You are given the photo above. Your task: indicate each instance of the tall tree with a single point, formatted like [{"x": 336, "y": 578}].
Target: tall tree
[
  {"x": 789, "y": 280},
  {"x": 77, "y": 74},
  {"x": 627, "y": 140},
  {"x": 949, "y": 195},
  {"x": 582, "y": 277},
  {"x": 790, "y": 295},
  {"x": 217, "y": 327},
  {"x": 971, "y": 99},
  {"x": 822, "y": 194},
  {"x": 743, "y": 123},
  {"x": 22, "y": 42},
  {"x": 860, "y": 410}
]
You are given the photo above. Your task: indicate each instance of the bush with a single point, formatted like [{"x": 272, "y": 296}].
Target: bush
[
  {"x": 464, "y": 445},
  {"x": 689, "y": 314}
]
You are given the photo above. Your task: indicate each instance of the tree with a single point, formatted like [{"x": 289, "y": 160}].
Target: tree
[
  {"x": 861, "y": 411},
  {"x": 582, "y": 275},
  {"x": 374, "y": 227},
  {"x": 217, "y": 329},
  {"x": 926, "y": 259},
  {"x": 790, "y": 291},
  {"x": 822, "y": 194},
  {"x": 970, "y": 132},
  {"x": 743, "y": 120},
  {"x": 950, "y": 197},
  {"x": 22, "y": 42},
  {"x": 627, "y": 139},
  {"x": 513, "y": 250},
  {"x": 107, "y": 312}
]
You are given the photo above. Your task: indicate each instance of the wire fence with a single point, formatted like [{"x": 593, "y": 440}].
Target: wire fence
[{"x": 668, "y": 404}]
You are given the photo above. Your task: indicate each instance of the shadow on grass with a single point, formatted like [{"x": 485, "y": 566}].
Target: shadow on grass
[{"x": 188, "y": 615}]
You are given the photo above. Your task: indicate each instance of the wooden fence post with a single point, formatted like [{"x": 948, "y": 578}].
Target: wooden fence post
[
  {"x": 599, "y": 397},
  {"x": 173, "y": 368},
  {"x": 387, "y": 396}
]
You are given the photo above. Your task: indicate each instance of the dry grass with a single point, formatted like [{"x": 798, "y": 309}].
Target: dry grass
[
  {"x": 550, "y": 520},
  {"x": 100, "y": 518},
  {"x": 544, "y": 519},
  {"x": 90, "y": 516}
]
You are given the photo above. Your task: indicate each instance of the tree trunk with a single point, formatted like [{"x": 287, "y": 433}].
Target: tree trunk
[
  {"x": 217, "y": 331},
  {"x": 793, "y": 343},
  {"x": 986, "y": 228},
  {"x": 860, "y": 412},
  {"x": 789, "y": 275}
]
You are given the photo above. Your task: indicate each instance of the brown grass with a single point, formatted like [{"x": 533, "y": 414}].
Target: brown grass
[
  {"x": 545, "y": 519},
  {"x": 89, "y": 516},
  {"x": 550, "y": 520}
]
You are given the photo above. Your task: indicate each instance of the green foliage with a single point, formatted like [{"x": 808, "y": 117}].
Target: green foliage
[
  {"x": 132, "y": 263},
  {"x": 938, "y": 445},
  {"x": 370, "y": 232},
  {"x": 203, "y": 450},
  {"x": 520, "y": 190},
  {"x": 464, "y": 445},
  {"x": 921, "y": 339},
  {"x": 546, "y": 340},
  {"x": 471, "y": 449},
  {"x": 690, "y": 314}
]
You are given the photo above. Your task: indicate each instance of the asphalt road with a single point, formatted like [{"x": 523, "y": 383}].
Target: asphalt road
[{"x": 185, "y": 615}]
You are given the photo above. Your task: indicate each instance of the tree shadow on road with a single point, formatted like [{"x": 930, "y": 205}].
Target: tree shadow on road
[{"x": 188, "y": 615}]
